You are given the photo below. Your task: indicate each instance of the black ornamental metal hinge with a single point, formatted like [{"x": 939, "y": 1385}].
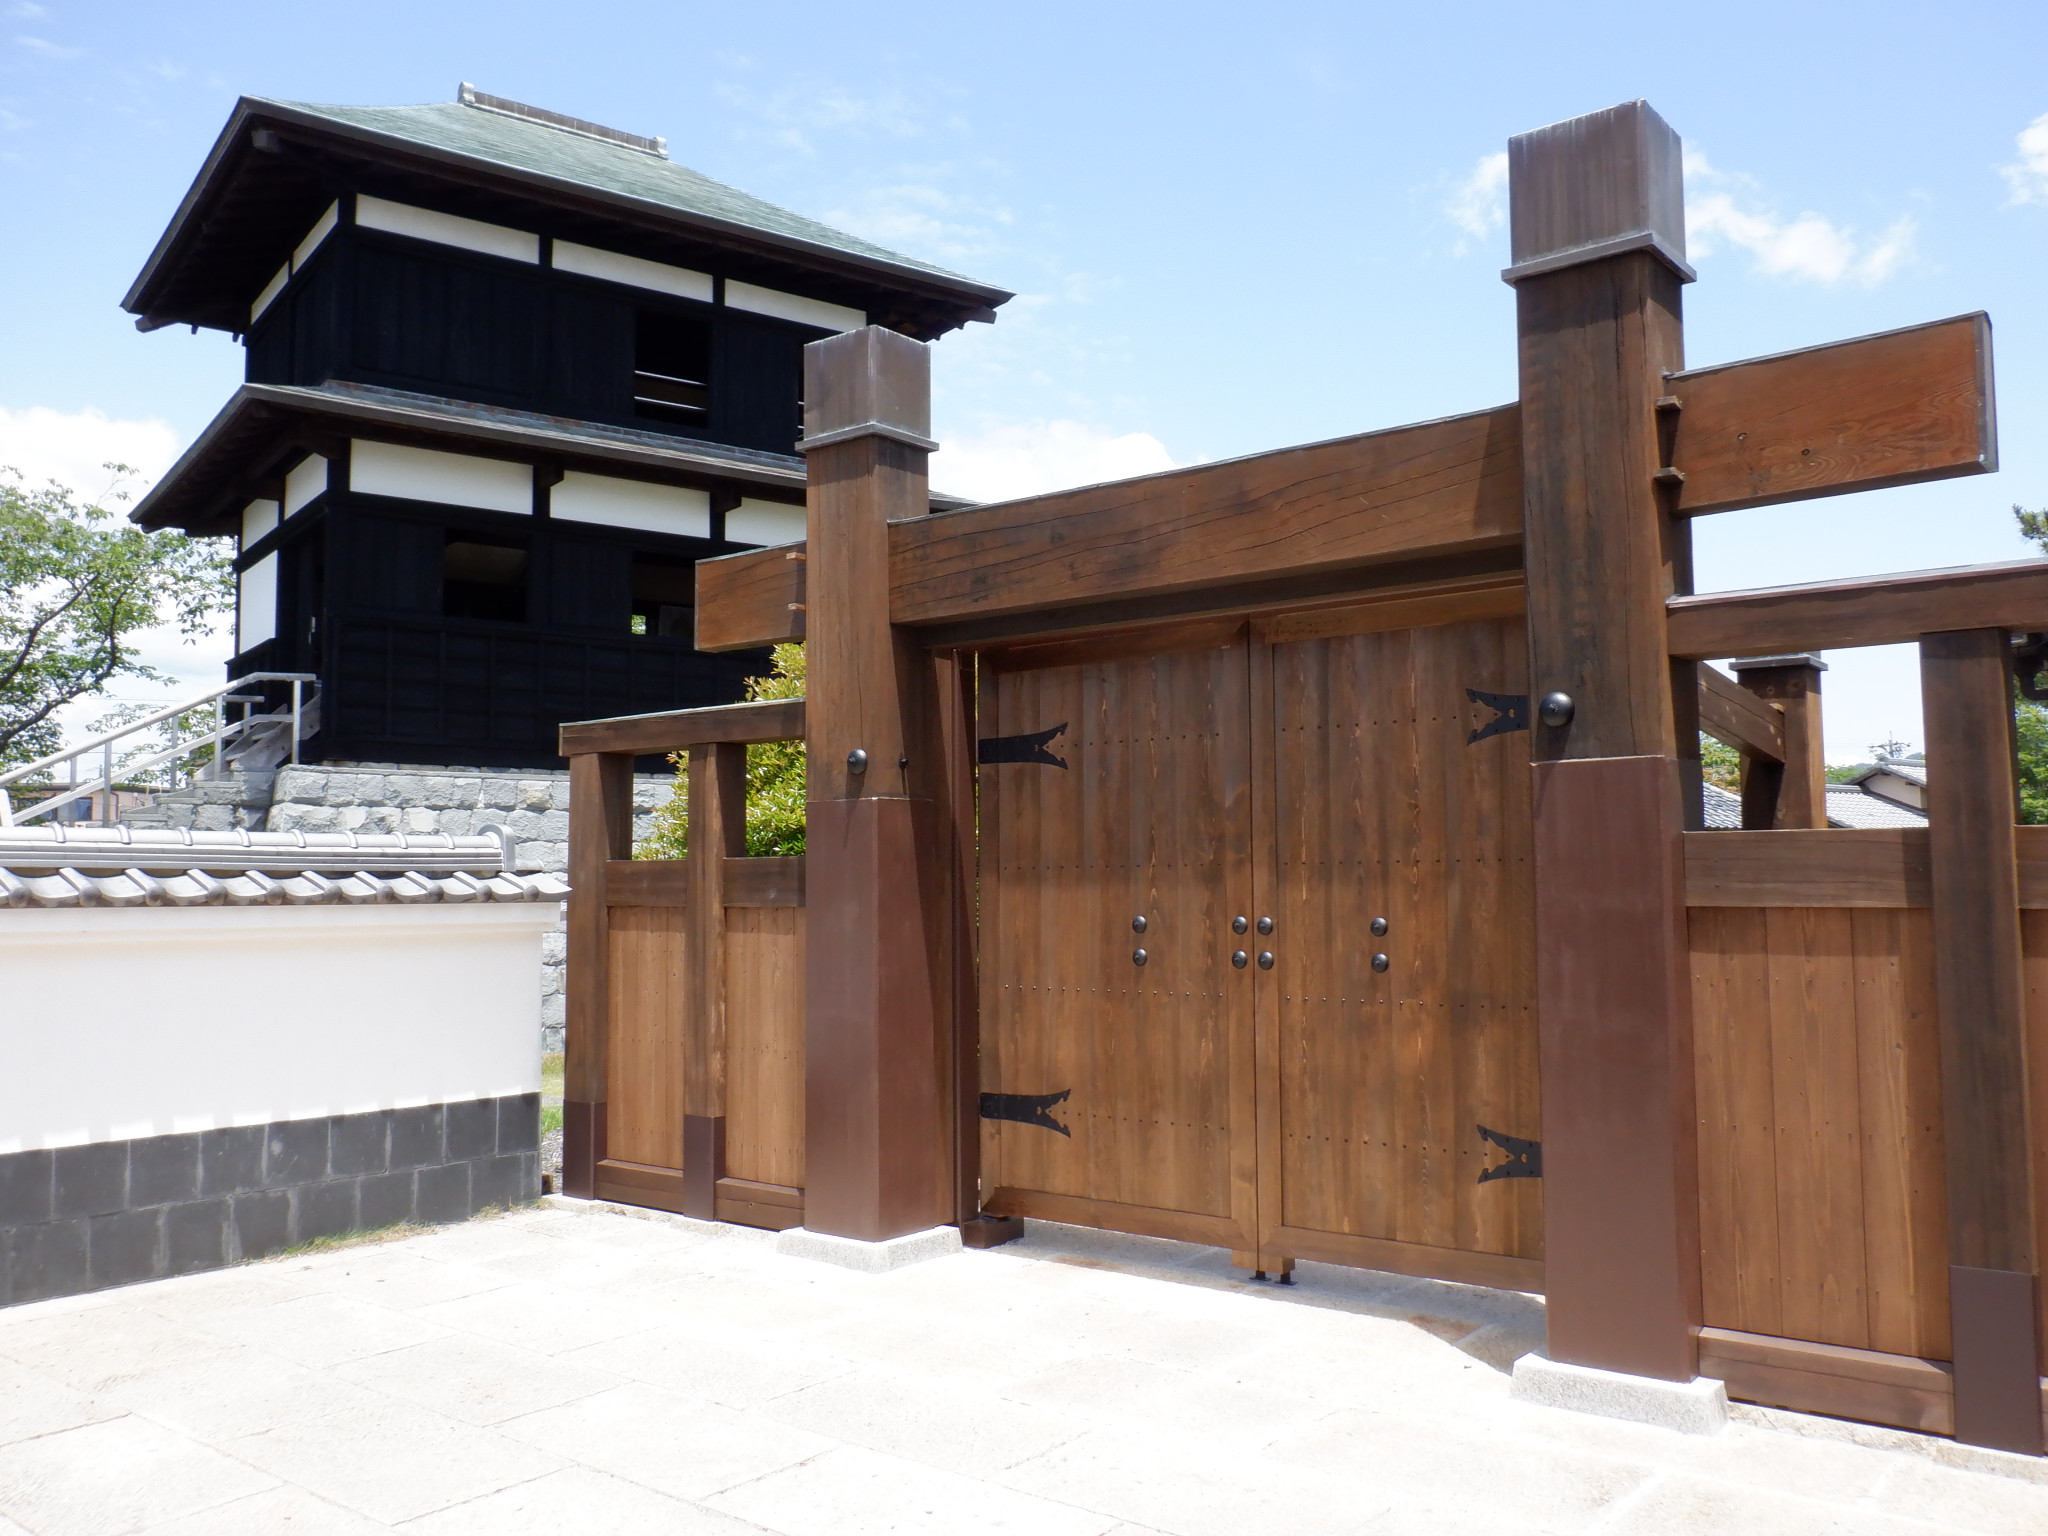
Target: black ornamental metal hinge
[
  {"x": 1028, "y": 748},
  {"x": 1025, "y": 1108},
  {"x": 1525, "y": 1158},
  {"x": 1510, "y": 713}
]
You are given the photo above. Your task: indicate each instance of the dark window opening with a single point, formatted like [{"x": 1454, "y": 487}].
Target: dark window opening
[
  {"x": 483, "y": 578},
  {"x": 671, "y": 368},
  {"x": 664, "y": 597}
]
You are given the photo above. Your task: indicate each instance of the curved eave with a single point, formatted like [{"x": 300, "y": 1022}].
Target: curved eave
[{"x": 972, "y": 299}]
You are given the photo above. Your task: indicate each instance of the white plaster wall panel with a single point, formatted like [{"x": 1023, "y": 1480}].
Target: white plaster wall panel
[
  {"x": 303, "y": 481},
  {"x": 270, "y": 292},
  {"x": 634, "y": 271},
  {"x": 256, "y": 604},
  {"x": 428, "y": 474},
  {"x": 446, "y": 229},
  {"x": 258, "y": 518},
  {"x": 327, "y": 1010},
  {"x": 790, "y": 306},
  {"x": 322, "y": 228},
  {"x": 582, "y": 498},
  {"x": 765, "y": 522}
]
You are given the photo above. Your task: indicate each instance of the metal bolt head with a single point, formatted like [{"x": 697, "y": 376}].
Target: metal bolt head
[
  {"x": 1556, "y": 710},
  {"x": 1239, "y": 959},
  {"x": 1238, "y": 925},
  {"x": 1138, "y": 957},
  {"x": 1265, "y": 959},
  {"x": 857, "y": 760},
  {"x": 1138, "y": 923},
  {"x": 1265, "y": 925},
  {"x": 1379, "y": 962},
  {"x": 1379, "y": 925}
]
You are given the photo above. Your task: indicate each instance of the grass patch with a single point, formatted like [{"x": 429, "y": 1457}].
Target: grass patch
[
  {"x": 551, "y": 1078},
  {"x": 363, "y": 1239},
  {"x": 550, "y": 1119}
]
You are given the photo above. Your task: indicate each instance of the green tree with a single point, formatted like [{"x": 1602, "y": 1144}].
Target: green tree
[
  {"x": 1720, "y": 764},
  {"x": 78, "y": 584},
  {"x": 775, "y": 781},
  {"x": 2030, "y": 720}
]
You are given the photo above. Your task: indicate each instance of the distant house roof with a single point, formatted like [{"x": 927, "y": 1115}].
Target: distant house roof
[
  {"x": 1724, "y": 809},
  {"x": 1848, "y": 806},
  {"x": 204, "y": 491},
  {"x": 275, "y": 165}
]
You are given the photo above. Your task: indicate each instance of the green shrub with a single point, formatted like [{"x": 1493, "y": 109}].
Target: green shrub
[{"x": 775, "y": 780}]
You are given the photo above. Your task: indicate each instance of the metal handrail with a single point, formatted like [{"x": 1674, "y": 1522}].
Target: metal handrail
[{"x": 224, "y": 730}]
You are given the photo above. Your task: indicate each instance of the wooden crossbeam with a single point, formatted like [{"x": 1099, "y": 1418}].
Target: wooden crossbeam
[
  {"x": 1892, "y": 409},
  {"x": 674, "y": 729},
  {"x": 1731, "y": 713},
  {"x": 1884, "y": 610},
  {"x": 1878, "y": 411}
]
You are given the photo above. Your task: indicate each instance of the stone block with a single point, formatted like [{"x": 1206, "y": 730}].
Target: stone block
[
  {"x": 536, "y": 858},
  {"x": 443, "y": 1193},
  {"x": 554, "y": 948},
  {"x": 360, "y": 1143},
  {"x": 552, "y": 1037},
  {"x": 213, "y": 818},
  {"x": 384, "y": 1200},
  {"x": 455, "y": 823},
  {"x": 308, "y": 784},
  {"x": 498, "y": 1181},
  {"x": 536, "y": 795},
  {"x": 498, "y": 795},
  {"x": 405, "y": 789},
  {"x": 554, "y": 1013},
  {"x": 27, "y": 1182},
  {"x": 295, "y": 1152},
  {"x": 196, "y": 1236},
  {"x": 124, "y": 1247},
  {"x": 231, "y": 1159},
  {"x": 163, "y": 1169},
  {"x": 46, "y": 1260},
  {"x": 519, "y": 1123},
  {"x": 869, "y": 1258},
  {"x": 1696, "y": 1407},
  {"x": 306, "y": 818},
  {"x": 417, "y": 1137},
  {"x": 323, "y": 1210},
  {"x": 417, "y": 820},
  {"x": 262, "y": 1222},
  {"x": 472, "y": 1129},
  {"x": 90, "y": 1180},
  {"x": 552, "y": 979}
]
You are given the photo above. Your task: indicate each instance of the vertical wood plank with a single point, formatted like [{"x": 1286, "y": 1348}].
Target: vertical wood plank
[
  {"x": 600, "y": 829},
  {"x": 1966, "y": 693},
  {"x": 764, "y": 999},
  {"x": 1799, "y": 786},
  {"x": 717, "y": 805}
]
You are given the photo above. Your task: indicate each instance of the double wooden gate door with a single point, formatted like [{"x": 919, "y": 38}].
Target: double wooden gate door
[{"x": 1256, "y": 964}]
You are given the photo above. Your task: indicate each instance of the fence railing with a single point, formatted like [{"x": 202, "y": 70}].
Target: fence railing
[{"x": 233, "y": 739}]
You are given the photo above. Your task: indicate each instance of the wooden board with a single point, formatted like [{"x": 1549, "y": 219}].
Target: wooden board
[
  {"x": 1891, "y": 409},
  {"x": 673, "y": 729},
  {"x": 1822, "y": 1213},
  {"x": 1383, "y": 806},
  {"x": 2034, "y": 941},
  {"x": 1839, "y": 615},
  {"x": 1733, "y": 715},
  {"x": 764, "y": 1007},
  {"x": 1148, "y": 816},
  {"x": 1830, "y": 1379},
  {"x": 649, "y": 999}
]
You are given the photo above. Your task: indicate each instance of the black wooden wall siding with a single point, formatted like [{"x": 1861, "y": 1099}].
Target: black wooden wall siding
[{"x": 376, "y": 308}]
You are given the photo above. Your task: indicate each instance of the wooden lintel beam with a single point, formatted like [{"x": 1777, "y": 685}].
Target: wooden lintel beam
[
  {"x": 672, "y": 730},
  {"x": 1732, "y": 714},
  {"x": 1883, "y": 610},
  {"x": 1892, "y": 409}
]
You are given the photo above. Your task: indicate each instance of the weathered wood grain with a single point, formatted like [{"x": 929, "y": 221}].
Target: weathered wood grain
[
  {"x": 1831, "y": 1379},
  {"x": 1732, "y": 714},
  {"x": 756, "y": 597},
  {"x": 1882, "y": 610},
  {"x": 1891, "y": 409},
  {"x": 1873, "y": 867},
  {"x": 673, "y": 730}
]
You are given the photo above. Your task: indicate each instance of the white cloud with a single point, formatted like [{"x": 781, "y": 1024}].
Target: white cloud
[
  {"x": 1728, "y": 208},
  {"x": 26, "y": 10},
  {"x": 1028, "y": 458},
  {"x": 1479, "y": 205},
  {"x": 46, "y": 48},
  {"x": 915, "y": 216},
  {"x": 73, "y": 448},
  {"x": 2028, "y": 175},
  {"x": 796, "y": 115}
]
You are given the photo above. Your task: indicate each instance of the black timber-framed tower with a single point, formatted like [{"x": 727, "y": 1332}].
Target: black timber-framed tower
[{"x": 509, "y": 375}]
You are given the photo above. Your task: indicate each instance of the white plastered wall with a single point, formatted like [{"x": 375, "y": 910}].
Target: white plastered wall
[
  {"x": 428, "y": 474},
  {"x": 587, "y": 498},
  {"x": 145, "y": 1021},
  {"x": 765, "y": 522},
  {"x": 256, "y": 604}
]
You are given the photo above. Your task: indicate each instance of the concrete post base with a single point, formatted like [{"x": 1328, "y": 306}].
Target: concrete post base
[
  {"x": 1696, "y": 1407},
  {"x": 869, "y": 1258}
]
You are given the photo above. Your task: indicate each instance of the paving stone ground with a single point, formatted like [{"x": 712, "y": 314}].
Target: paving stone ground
[{"x": 580, "y": 1370}]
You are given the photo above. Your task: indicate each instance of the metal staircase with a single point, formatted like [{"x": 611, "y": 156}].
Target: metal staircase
[{"x": 232, "y": 742}]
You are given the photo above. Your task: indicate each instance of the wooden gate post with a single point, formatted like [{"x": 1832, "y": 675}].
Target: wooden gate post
[
  {"x": 1597, "y": 221},
  {"x": 718, "y": 831},
  {"x": 878, "y": 974},
  {"x": 1799, "y": 796},
  {"x": 1972, "y": 805},
  {"x": 600, "y": 829}
]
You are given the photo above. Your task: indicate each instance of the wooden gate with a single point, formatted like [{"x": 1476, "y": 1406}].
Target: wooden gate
[{"x": 1321, "y": 822}]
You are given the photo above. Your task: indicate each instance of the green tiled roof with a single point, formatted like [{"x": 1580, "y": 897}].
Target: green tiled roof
[{"x": 537, "y": 149}]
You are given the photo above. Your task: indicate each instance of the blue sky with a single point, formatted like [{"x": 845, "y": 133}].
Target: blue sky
[{"x": 1230, "y": 228}]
